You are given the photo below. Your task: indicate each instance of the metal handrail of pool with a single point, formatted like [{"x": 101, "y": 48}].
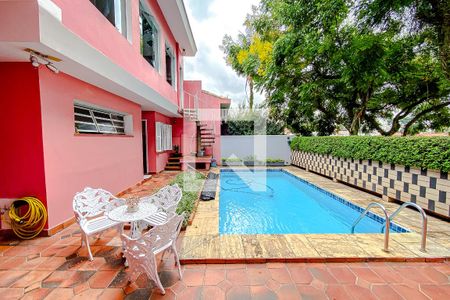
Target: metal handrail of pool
[
  {"x": 424, "y": 221},
  {"x": 387, "y": 225}
]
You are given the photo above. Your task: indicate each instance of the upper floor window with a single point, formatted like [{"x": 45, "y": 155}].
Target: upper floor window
[
  {"x": 170, "y": 66},
  {"x": 114, "y": 11},
  {"x": 149, "y": 37},
  {"x": 98, "y": 121}
]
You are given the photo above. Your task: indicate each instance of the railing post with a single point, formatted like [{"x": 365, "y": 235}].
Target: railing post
[
  {"x": 424, "y": 221},
  {"x": 387, "y": 226}
]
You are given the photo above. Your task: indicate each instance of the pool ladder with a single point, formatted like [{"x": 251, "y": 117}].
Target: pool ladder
[{"x": 385, "y": 227}]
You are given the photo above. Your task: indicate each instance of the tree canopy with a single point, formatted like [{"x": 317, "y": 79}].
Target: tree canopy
[{"x": 327, "y": 65}]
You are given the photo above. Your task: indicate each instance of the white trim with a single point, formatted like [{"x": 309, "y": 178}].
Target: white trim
[
  {"x": 153, "y": 23},
  {"x": 178, "y": 21},
  {"x": 163, "y": 136},
  {"x": 173, "y": 64},
  {"x": 82, "y": 61},
  {"x": 129, "y": 23},
  {"x": 51, "y": 8}
]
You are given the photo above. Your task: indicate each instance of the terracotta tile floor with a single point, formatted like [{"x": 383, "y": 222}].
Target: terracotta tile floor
[{"x": 57, "y": 268}]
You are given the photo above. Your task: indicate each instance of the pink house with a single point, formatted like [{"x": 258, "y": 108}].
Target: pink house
[{"x": 93, "y": 95}]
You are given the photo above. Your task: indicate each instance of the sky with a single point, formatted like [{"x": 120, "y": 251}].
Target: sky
[{"x": 210, "y": 21}]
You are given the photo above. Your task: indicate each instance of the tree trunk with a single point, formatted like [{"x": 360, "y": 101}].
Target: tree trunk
[
  {"x": 251, "y": 96},
  {"x": 445, "y": 39}
]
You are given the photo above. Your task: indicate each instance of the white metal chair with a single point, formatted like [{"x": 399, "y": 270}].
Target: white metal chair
[
  {"x": 91, "y": 207},
  {"x": 166, "y": 199},
  {"x": 141, "y": 253}
]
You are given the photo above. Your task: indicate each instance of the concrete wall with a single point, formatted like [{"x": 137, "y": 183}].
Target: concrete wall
[{"x": 263, "y": 146}]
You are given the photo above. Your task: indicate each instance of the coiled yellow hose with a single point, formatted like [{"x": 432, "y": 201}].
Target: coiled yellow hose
[{"x": 32, "y": 222}]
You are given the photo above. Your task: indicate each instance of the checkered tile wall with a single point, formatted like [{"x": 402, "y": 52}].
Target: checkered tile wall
[{"x": 429, "y": 189}]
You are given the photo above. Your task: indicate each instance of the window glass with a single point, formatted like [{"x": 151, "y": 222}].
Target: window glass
[
  {"x": 93, "y": 120},
  {"x": 149, "y": 38},
  {"x": 163, "y": 137},
  {"x": 114, "y": 11},
  {"x": 170, "y": 66}
]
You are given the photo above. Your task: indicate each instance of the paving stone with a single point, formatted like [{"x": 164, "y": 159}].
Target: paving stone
[{"x": 49, "y": 274}]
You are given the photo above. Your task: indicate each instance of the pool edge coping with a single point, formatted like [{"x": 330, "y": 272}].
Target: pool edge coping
[{"x": 407, "y": 251}]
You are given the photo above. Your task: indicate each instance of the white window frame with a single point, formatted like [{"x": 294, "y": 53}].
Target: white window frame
[
  {"x": 181, "y": 87},
  {"x": 152, "y": 21},
  {"x": 122, "y": 18},
  {"x": 121, "y": 123},
  {"x": 163, "y": 137},
  {"x": 173, "y": 65}
]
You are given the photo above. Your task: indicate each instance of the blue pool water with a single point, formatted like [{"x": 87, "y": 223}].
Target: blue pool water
[{"x": 276, "y": 202}]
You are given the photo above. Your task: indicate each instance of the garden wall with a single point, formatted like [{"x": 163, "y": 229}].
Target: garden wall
[
  {"x": 261, "y": 146},
  {"x": 429, "y": 189}
]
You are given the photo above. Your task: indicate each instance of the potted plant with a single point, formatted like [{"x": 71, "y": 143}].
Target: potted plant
[{"x": 176, "y": 149}]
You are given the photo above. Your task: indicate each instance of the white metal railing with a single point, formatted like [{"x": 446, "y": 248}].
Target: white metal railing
[
  {"x": 424, "y": 221},
  {"x": 190, "y": 106},
  {"x": 387, "y": 224},
  {"x": 224, "y": 114}
]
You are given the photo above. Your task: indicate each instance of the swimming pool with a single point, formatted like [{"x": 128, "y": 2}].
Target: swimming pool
[{"x": 277, "y": 202}]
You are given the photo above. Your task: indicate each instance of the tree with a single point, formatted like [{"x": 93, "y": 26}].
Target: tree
[
  {"x": 412, "y": 15},
  {"x": 326, "y": 71},
  {"x": 243, "y": 121},
  {"x": 248, "y": 56}
]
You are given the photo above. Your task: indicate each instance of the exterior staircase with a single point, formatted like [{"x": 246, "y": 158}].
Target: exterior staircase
[
  {"x": 206, "y": 135},
  {"x": 174, "y": 163}
]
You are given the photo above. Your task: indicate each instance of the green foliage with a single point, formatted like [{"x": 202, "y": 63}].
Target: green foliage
[
  {"x": 251, "y": 122},
  {"x": 329, "y": 70},
  {"x": 231, "y": 159},
  {"x": 251, "y": 158},
  {"x": 190, "y": 183},
  {"x": 429, "y": 16},
  {"x": 274, "y": 160},
  {"x": 421, "y": 152}
]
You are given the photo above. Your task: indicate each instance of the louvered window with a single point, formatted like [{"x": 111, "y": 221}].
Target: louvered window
[{"x": 96, "y": 121}]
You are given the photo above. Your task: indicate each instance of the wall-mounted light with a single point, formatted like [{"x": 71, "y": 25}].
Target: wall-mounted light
[
  {"x": 34, "y": 61},
  {"x": 38, "y": 59}
]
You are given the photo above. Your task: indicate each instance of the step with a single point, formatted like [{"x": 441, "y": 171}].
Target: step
[
  {"x": 174, "y": 159},
  {"x": 173, "y": 164},
  {"x": 172, "y": 168},
  {"x": 202, "y": 125},
  {"x": 207, "y": 129}
]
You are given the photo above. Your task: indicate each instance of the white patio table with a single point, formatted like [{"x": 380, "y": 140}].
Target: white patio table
[{"x": 120, "y": 214}]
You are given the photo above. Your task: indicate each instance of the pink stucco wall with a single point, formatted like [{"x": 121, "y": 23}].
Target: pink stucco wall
[
  {"x": 23, "y": 17},
  {"x": 96, "y": 30},
  {"x": 73, "y": 162}
]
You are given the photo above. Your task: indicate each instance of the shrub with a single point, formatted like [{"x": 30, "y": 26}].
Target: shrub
[
  {"x": 231, "y": 159},
  {"x": 274, "y": 160},
  {"x": 421, "y": 152},
  {"x": 190, "y": 183}
]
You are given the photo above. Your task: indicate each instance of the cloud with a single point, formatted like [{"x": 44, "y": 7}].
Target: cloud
[{"x": 210, "y": 21}]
